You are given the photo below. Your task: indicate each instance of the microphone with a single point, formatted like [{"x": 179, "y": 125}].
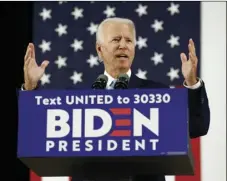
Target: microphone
[
  {"x": 100, "y": 82},
  {"x": 122, "y": 82}
]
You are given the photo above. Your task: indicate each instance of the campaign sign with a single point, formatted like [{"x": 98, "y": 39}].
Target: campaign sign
[{"x": 137, "y": 123}]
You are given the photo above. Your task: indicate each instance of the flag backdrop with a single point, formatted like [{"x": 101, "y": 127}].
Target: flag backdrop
[{"x": 64, "y": 34}]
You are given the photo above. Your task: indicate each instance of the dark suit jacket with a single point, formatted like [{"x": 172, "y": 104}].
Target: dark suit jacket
[{"x": 199, "y": 115}]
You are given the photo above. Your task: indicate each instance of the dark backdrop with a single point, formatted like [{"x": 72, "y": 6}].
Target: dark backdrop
[{"x": 15, "y": 34}]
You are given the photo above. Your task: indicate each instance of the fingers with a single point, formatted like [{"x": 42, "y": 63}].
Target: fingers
[
  {"x": 27, "y": 54},
  {"x": 29, "y": 58},
  {"x": 30, "y": 62},
  {"x": 192, "y": 43},
  {"x": 192, "y": 52},
  {"x": 183, "y": 57},
  {"x": 26, "y": 63},
  {"x": 193, "y": 58},
  {"x": 31, "y": 45},
  {"x": 44, "y": 64},
  {"x": 191, "y": 47},
  {"x": 191, "y": 55},
  {"x": 30, "y": 52}
]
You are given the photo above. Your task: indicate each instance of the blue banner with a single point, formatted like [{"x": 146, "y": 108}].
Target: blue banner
[{"x": 133, "y": 122}]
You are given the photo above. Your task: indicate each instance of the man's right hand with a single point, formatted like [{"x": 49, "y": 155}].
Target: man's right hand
[{"x": 32, "y": 72}]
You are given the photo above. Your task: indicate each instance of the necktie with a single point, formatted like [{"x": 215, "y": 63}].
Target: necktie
[{"x": 111, "y": 86}]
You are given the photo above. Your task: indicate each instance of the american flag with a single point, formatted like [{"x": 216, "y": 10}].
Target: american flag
[{"x": 64, "y": 33}]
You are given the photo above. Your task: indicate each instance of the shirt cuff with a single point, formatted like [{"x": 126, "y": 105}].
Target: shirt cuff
[
  {"x": 195, "y": 86},
  {"x": 22, "y": 87}
]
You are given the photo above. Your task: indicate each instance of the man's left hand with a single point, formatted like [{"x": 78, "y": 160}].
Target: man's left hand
[{"x": 189, "y": 67}]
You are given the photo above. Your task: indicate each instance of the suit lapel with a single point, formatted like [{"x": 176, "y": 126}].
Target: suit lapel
[{"x": 134, "y": 82}]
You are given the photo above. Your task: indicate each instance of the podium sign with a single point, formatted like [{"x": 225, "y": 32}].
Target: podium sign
[{"x": 75, "y": 132}]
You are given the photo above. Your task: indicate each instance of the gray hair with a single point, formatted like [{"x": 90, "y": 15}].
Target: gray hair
[{"x": 99, "y": 33}]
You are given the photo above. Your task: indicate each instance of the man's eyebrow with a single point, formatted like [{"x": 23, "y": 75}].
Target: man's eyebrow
[{"x": 118, "y": 36}]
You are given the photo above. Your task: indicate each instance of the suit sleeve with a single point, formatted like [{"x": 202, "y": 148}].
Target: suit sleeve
[
  {"x": 199, "y": 112},
  {"x": 23, "y": 89}
]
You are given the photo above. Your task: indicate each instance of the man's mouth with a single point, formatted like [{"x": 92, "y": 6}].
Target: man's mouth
[{"x": 122, "y": 56}]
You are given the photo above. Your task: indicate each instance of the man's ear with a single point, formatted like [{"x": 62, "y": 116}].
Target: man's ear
[{"x": 99, "y": 49}]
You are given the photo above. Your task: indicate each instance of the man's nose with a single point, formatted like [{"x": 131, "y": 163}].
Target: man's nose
[{"x": 122, "y": 44}]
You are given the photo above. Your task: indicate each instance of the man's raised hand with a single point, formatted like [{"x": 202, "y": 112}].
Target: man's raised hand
[
  {"x": 32, "y": 71},
  {"x": 189, "y": 67}
]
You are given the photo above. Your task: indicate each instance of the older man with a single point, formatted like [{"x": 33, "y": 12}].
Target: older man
[{"x": 116, "y": 40}]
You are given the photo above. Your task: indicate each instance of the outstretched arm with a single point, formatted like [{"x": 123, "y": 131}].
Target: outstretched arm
[{"x": 199, "y": 111}]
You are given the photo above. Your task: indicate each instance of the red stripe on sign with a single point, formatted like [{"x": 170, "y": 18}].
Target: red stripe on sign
[
  {"x": 123, "y": 122},
  {"x": 196, "y": 154},
  {"x": 34, "y": 177},
  {"x": 121, "y": 133},
  {"x": 121, "y": 111}
]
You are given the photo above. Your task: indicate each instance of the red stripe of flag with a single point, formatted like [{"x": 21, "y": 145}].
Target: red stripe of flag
[{"x": 34, "y": 176}]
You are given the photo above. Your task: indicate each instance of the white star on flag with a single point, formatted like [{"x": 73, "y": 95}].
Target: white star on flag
[
  {"x": 61, "y": 29},
  {"x": 173, "y": 41},
  {"x": 173, "y": 9},
  {"x": 76, "y": 77},
  {"x": 61, "y": 61},
  {"x": 45, "y": 14},
  {"x": 157, "y": 25},
  {"x": 77, "y": 13},
  {"x": 45, "y": 46},
  {"x": 141, "y": 42},
  {"x": 77, "y": 45},
  {"x": 109, "y": 11},
  {"x": 92, "y": 28},
  {"x": 45, "y": 79},
  {"x": 61, "y": 2},
  {"x": 93, "y": 60},
  {"x": 173, "y": 73},
  {"x": 157, "y": 58},
  {"x": 141, "y": 10},
  {"x": 141, "y": 73}
]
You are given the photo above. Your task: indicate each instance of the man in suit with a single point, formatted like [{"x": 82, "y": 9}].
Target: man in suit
[{"x": 115, "y": 45}]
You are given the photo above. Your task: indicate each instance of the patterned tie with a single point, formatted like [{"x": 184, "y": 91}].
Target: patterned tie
[{"x": 112, "y": 84}]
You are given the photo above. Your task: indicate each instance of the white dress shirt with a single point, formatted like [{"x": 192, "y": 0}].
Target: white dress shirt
[{"x": 111, "y": 80}]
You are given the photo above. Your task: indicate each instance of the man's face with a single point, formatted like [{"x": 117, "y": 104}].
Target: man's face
[{"x": 118, "y": 47}]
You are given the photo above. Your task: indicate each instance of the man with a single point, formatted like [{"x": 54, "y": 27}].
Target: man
[{"x": 116, "y": 40}]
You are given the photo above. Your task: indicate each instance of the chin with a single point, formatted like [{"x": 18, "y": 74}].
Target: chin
[
  {"x": 124, "y": 66},
  {"x": 125, "y": 63}
]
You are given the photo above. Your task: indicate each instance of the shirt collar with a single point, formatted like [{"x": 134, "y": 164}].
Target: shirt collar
[{"x": 111, "y": 79}]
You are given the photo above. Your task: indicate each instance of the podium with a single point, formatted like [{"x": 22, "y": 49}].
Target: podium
[{"x": 105, "y": 133}]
